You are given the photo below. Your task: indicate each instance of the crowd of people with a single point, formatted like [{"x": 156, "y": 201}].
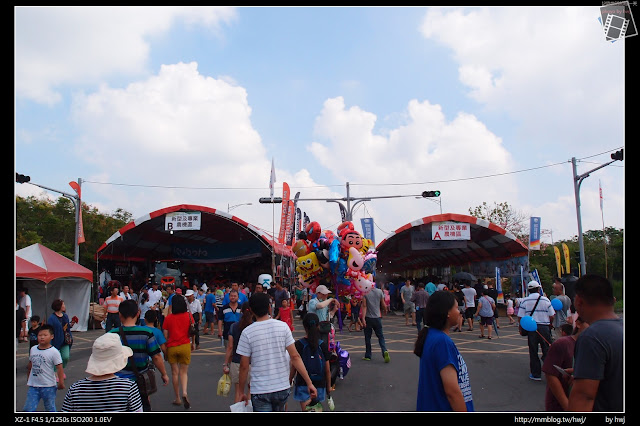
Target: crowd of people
[{"x": 580, "y": 340}]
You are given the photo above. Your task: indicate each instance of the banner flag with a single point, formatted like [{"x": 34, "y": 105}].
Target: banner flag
[
  {"x": 343, "y": 212},
  {"x": 565, "y": 250},
  {"x": 272, "y": 179},
  {"x": 305, "y": 221},
  {"x": 76, "y": 187},
  {"x": 534, "y": 233},
  {"x": 284, "y": 212},
  {"x": 499, "y": 287},
  {"x": 600, "y": 187},
  {"x": 298, "y": 223},
  {"x": 558, "y": 261},
  {"x": 291, "y": 213},
  {"x": 367, "y": 229}
]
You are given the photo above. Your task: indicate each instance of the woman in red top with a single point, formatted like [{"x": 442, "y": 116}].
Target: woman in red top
[{"x": 176, "y": 331}]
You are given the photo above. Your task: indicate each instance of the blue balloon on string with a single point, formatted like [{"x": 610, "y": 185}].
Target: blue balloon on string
[
  {"x": 528, "y": 323},
  {"x": 557, "y": 304}
]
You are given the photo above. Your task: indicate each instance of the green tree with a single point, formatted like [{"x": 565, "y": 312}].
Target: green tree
[
  {"x": 53, "y": 224},
  {"x": 503, "y": 215}
]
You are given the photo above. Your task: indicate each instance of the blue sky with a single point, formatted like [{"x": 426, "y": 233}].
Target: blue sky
[{"x": 151, "y": 105}]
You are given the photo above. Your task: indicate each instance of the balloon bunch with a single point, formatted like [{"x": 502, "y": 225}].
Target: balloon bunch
[{"x": 344, "y": 261}]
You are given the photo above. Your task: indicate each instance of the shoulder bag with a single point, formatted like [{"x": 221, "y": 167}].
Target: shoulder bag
[
  {"x": 68, "y": 338},
  {"x": 147, "y": 381},
  {"x": 192, "y": 326},
  {"x": 521, "y": 330}
]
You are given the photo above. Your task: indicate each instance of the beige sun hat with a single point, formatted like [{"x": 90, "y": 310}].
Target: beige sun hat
[
  {"x": 322, "y": 289},
  {"x": 108, "y": 355}
]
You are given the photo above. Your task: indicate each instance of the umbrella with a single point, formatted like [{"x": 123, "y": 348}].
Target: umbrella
[{"x": 464, "y": 276}]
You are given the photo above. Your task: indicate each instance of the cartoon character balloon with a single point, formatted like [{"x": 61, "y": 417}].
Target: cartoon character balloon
[{"x": 343, "y": 260}]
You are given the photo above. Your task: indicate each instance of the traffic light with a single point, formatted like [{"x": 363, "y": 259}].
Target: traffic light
[
  {"x": 427, "y": 194},
  {"x": 617, "y": 155},
  {"x": 22, "y": 178},
  {"x": 267, "y": 200}
]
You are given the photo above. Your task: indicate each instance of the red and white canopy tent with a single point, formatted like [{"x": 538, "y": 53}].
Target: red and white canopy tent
[
  {"x": 47, "y": 276},
  {"x": 412, "y": 247},
  {"x": 221, "y": 238}
]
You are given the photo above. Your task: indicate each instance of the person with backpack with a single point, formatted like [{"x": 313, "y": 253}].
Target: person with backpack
[{"x": 315, "y": 357}]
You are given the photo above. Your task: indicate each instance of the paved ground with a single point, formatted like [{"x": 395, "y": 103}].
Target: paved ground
[{"x": 498, "y": 368}]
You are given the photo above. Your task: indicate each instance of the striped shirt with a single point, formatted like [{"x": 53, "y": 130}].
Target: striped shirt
[
  {"x": 144, "y": 345},
  {"x": 112, "y": 304},
  {"x": 266, "y": 342},
  {"x": 115, "y": 394},
  {"x": 543, "y": 311}
]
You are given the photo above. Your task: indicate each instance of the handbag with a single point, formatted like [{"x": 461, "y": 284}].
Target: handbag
[
  {"x": 192, "y": 327},
  {"x": 68, "y": 338},
  {"x": 521, "y": 330},
  {"x": 146, "y": 381}
]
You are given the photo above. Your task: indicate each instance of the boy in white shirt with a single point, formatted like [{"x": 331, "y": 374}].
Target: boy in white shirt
[{"x": 45, "y": 362}]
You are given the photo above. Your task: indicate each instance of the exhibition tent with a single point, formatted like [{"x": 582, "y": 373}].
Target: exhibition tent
[{"x": 47, "y": 276}]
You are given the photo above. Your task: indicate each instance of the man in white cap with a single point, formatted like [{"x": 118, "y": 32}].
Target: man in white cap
[
  {"x": 195, "y": 307},
  {"x": 539, "y": 308},
  {"x": 320, "y": 304},
  {"x": 104, "y": 391}
]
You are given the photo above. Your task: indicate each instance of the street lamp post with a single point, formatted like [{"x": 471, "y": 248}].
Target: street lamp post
[
  {"x": 229, "y": 208},
  {"x": 577, "y": 181},
  {"x": 75, "y": 199}
]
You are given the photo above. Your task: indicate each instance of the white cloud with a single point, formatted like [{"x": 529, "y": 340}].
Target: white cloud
[
  {"x": 427, "y": 148},
  {"x": 548, "y": 67},
  {"x": 551, "y": 71},
  {"x": 83, "y": 45}
]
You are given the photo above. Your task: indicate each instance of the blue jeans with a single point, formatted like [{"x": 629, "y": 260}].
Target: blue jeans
[
  {"x": 48, "y": 396},
  {"x": 373, "y": 324},
  {"x": 113, "y": 321},
  {"x": 273, "y": 401}
]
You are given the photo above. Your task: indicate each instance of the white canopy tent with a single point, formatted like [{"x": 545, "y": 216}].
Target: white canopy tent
[{"x": 47, "y": 276}]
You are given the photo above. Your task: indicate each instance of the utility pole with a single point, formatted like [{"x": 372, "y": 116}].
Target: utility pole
[
  {"x": 577, "y": 181},
  {"x": 75, "y": 199}
]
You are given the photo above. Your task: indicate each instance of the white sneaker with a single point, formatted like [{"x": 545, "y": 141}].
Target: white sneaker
[{"x": 332, "y": 405}]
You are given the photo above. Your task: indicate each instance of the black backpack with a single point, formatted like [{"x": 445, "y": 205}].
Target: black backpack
[{"x": 314, "y": 362}]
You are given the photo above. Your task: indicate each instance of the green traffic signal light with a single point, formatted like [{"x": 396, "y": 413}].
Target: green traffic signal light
[{"x": 428, "y": 194}]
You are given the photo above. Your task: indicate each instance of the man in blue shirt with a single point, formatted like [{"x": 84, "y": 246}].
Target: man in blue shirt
[
  {"x": 227, "y": 315},
  {"x": 241, "y": 296},
  {"x": 209, "y": 310},
  {"x": 143, "y": 343}
]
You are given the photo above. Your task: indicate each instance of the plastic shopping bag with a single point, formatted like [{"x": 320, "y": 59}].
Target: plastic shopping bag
[
  {"x": 224, "y": 385},
  {"x": 240, "y": 407}
]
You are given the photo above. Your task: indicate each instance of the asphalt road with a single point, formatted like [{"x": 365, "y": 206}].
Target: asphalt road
[{"x": 498, "y": 369}]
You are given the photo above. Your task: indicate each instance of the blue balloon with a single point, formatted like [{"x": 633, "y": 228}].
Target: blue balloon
[
  {"x": 557, "y": 304},
  {"x": 528, "y": 323}
]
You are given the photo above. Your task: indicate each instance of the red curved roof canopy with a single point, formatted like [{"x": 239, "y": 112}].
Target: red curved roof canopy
[
  {"x": 145, "y": 238},
  {"x": 42, "y": 263},
  {"x": 488, "y": 242}
]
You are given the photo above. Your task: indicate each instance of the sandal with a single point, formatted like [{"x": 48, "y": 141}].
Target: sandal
[
  {"x": 187, "y": 404},
  {"x": 176, "y": 402},
  {"x": 489, "y": 337},
  {"x": 480, "y": 337}
]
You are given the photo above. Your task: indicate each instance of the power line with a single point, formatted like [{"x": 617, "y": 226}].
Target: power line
[{"x": 351, "y": 183}]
